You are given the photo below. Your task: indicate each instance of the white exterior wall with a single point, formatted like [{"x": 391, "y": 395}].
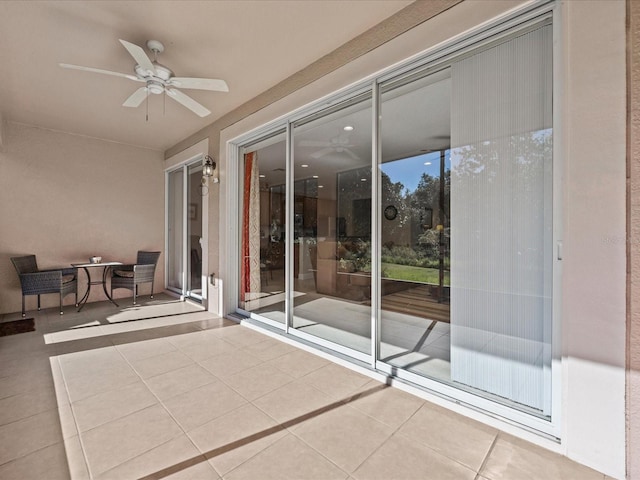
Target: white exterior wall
[{"x": 590, "y": 143}]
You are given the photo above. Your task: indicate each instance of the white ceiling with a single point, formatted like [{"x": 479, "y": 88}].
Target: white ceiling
[{"x": 251, "y": 44}]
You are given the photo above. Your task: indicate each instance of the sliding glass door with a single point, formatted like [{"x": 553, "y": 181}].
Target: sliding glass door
[
  {"x": 332, "y": 225},
  {"x": 413, "y": 228},
  {"x": 185, "y": 230}
]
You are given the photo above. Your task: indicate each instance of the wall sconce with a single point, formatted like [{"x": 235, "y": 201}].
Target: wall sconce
[{"x": 208, "y": 169}]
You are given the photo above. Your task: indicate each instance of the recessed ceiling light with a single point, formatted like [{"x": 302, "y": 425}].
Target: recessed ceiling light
[
  {"x": 348, "y": 128},
  {"x": 304, "y": 165}
]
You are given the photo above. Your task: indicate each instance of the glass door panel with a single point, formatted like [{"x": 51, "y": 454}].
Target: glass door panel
[
  {"x": 194, "y": 232},
  {"x": 332, "y": 226},
  {"x": 415, "y": 225},
  {"x": 175, "y": 228},
  {"x": 263, "y": 226}
]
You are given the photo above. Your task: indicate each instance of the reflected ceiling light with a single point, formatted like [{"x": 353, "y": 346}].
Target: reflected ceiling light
[
  {"x": 320, "y": 186},
  {"x": 262, "y": 176},
  {"x": 363, "y": 179},
  {"x": 315, "y": 176},
  {"x": 427, "y": 163},
  {"x": 304, "y": 165},
  {"x": 348, "y": 128}
]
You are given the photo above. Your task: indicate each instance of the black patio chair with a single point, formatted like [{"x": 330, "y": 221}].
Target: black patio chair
[
  {"x": 34, "y": 281},
  {"x": 130, "y": 276}
]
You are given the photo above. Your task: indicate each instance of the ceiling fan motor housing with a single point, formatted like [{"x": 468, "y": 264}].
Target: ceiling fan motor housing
[{"x": 156, "y": 83}]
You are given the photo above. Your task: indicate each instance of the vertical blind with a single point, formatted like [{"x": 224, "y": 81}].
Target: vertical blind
[{"x": 501, "y": 219}]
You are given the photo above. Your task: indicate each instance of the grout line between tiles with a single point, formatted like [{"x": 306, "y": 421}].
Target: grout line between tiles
[{"x": 486, "y": 457}]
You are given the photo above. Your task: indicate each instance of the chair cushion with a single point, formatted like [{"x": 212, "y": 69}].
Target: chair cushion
[
  {"x": 124, "y": 273},
  {"x": 68, "y": 278}
]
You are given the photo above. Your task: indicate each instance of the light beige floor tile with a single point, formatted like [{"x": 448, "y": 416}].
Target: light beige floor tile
[
  {"x": 449, "y": 434},
  {"x": 295, "y": 403},
  {"x": 49, "y": 462},
  {"x": 185, "y": 339},
  {"x": 388, "y": 405},
  {"x": 88, "y": 385},
  {"x": 26, "y": 404},
  {"x": 343, "y": 435},
  {"x": 199, "y": 406},
  {"x": 96, "y": 362},
  {"x": 513, "y": 459},
  {"x": 159, "y": 364},
  {"x": 288, "y": 458},
  {"x": 179, "y": 381},
  {"x": 269, "y": 349},
  {"x": 401, "y": 459},
  {"x": 145, "y": 348},
  {"x": 75, "y": 459},
  {"x": 107, "y": 406},
  {"x": 18, "y": 364},
  {"x": 298, "y": 363},
  {"x": 208, "y": 347},
  {"x": 40, "y": 380},
  {"x": 177, "y": 458},
  {"x": 257, "y": 381},
  {"x": 231, "y": 439},
  {"x": 28, "y": 435},
  {"x": 336, "y": 381},
  {"x": 239, "y": 335},
  {"x": 229, "y": 364},
  {"x": 60, "y": 387},
  {"x": 67, "y": 421},
  {"x": 78, "y": 345},
  {"x": 116, "y": 442}
]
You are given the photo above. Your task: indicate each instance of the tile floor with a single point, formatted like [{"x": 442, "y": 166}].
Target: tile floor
[{"x": 164, "y": 390}]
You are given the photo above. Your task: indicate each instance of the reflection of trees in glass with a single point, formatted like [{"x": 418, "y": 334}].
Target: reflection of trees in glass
[
  {"x": 414, "y": 238},
  {"x": 512, "y": 177}
]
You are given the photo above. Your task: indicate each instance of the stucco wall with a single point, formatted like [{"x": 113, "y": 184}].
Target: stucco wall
[
  {"x": 593, "y": 134},
  {"x": 633, "y": 243},
  {"x": 66, "y": 197}
]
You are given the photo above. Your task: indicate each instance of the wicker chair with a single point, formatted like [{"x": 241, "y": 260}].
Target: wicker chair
[
  {"x": 130, "y": 276},
  {"x": 34, "y": 281}
]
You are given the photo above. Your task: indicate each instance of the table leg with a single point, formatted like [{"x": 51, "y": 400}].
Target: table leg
[
  {"x": 85, "y": 297},
  {"x": 104, "y": 285}
]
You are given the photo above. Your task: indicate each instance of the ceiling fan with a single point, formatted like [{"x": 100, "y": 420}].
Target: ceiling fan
[
  {"x": 159, "y": 79},
  {"x": 338, "y": 144}
]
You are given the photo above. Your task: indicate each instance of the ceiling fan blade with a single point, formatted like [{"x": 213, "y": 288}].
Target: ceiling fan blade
[
  {"x": 98, "y": 70},
  {"x": 351, "y": 154},
  {"x": 212, "y": 84},
  {"x": 314, "y": 143},
  {"x": 321, "y": 153},
  {"x": 188, "y": 102},
  {"x": 139, "y": 56},
  {"x": 136, "y": 98}
]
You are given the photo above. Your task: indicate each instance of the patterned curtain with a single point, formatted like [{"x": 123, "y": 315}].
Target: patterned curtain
[{"x": 250, "y": 268}]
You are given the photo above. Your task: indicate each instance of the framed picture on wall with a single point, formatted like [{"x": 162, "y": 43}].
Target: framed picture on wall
[{"x": 193, "y": 211}]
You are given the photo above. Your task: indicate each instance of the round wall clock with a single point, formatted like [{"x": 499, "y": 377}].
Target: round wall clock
[{"x": 390, "y": 212}]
